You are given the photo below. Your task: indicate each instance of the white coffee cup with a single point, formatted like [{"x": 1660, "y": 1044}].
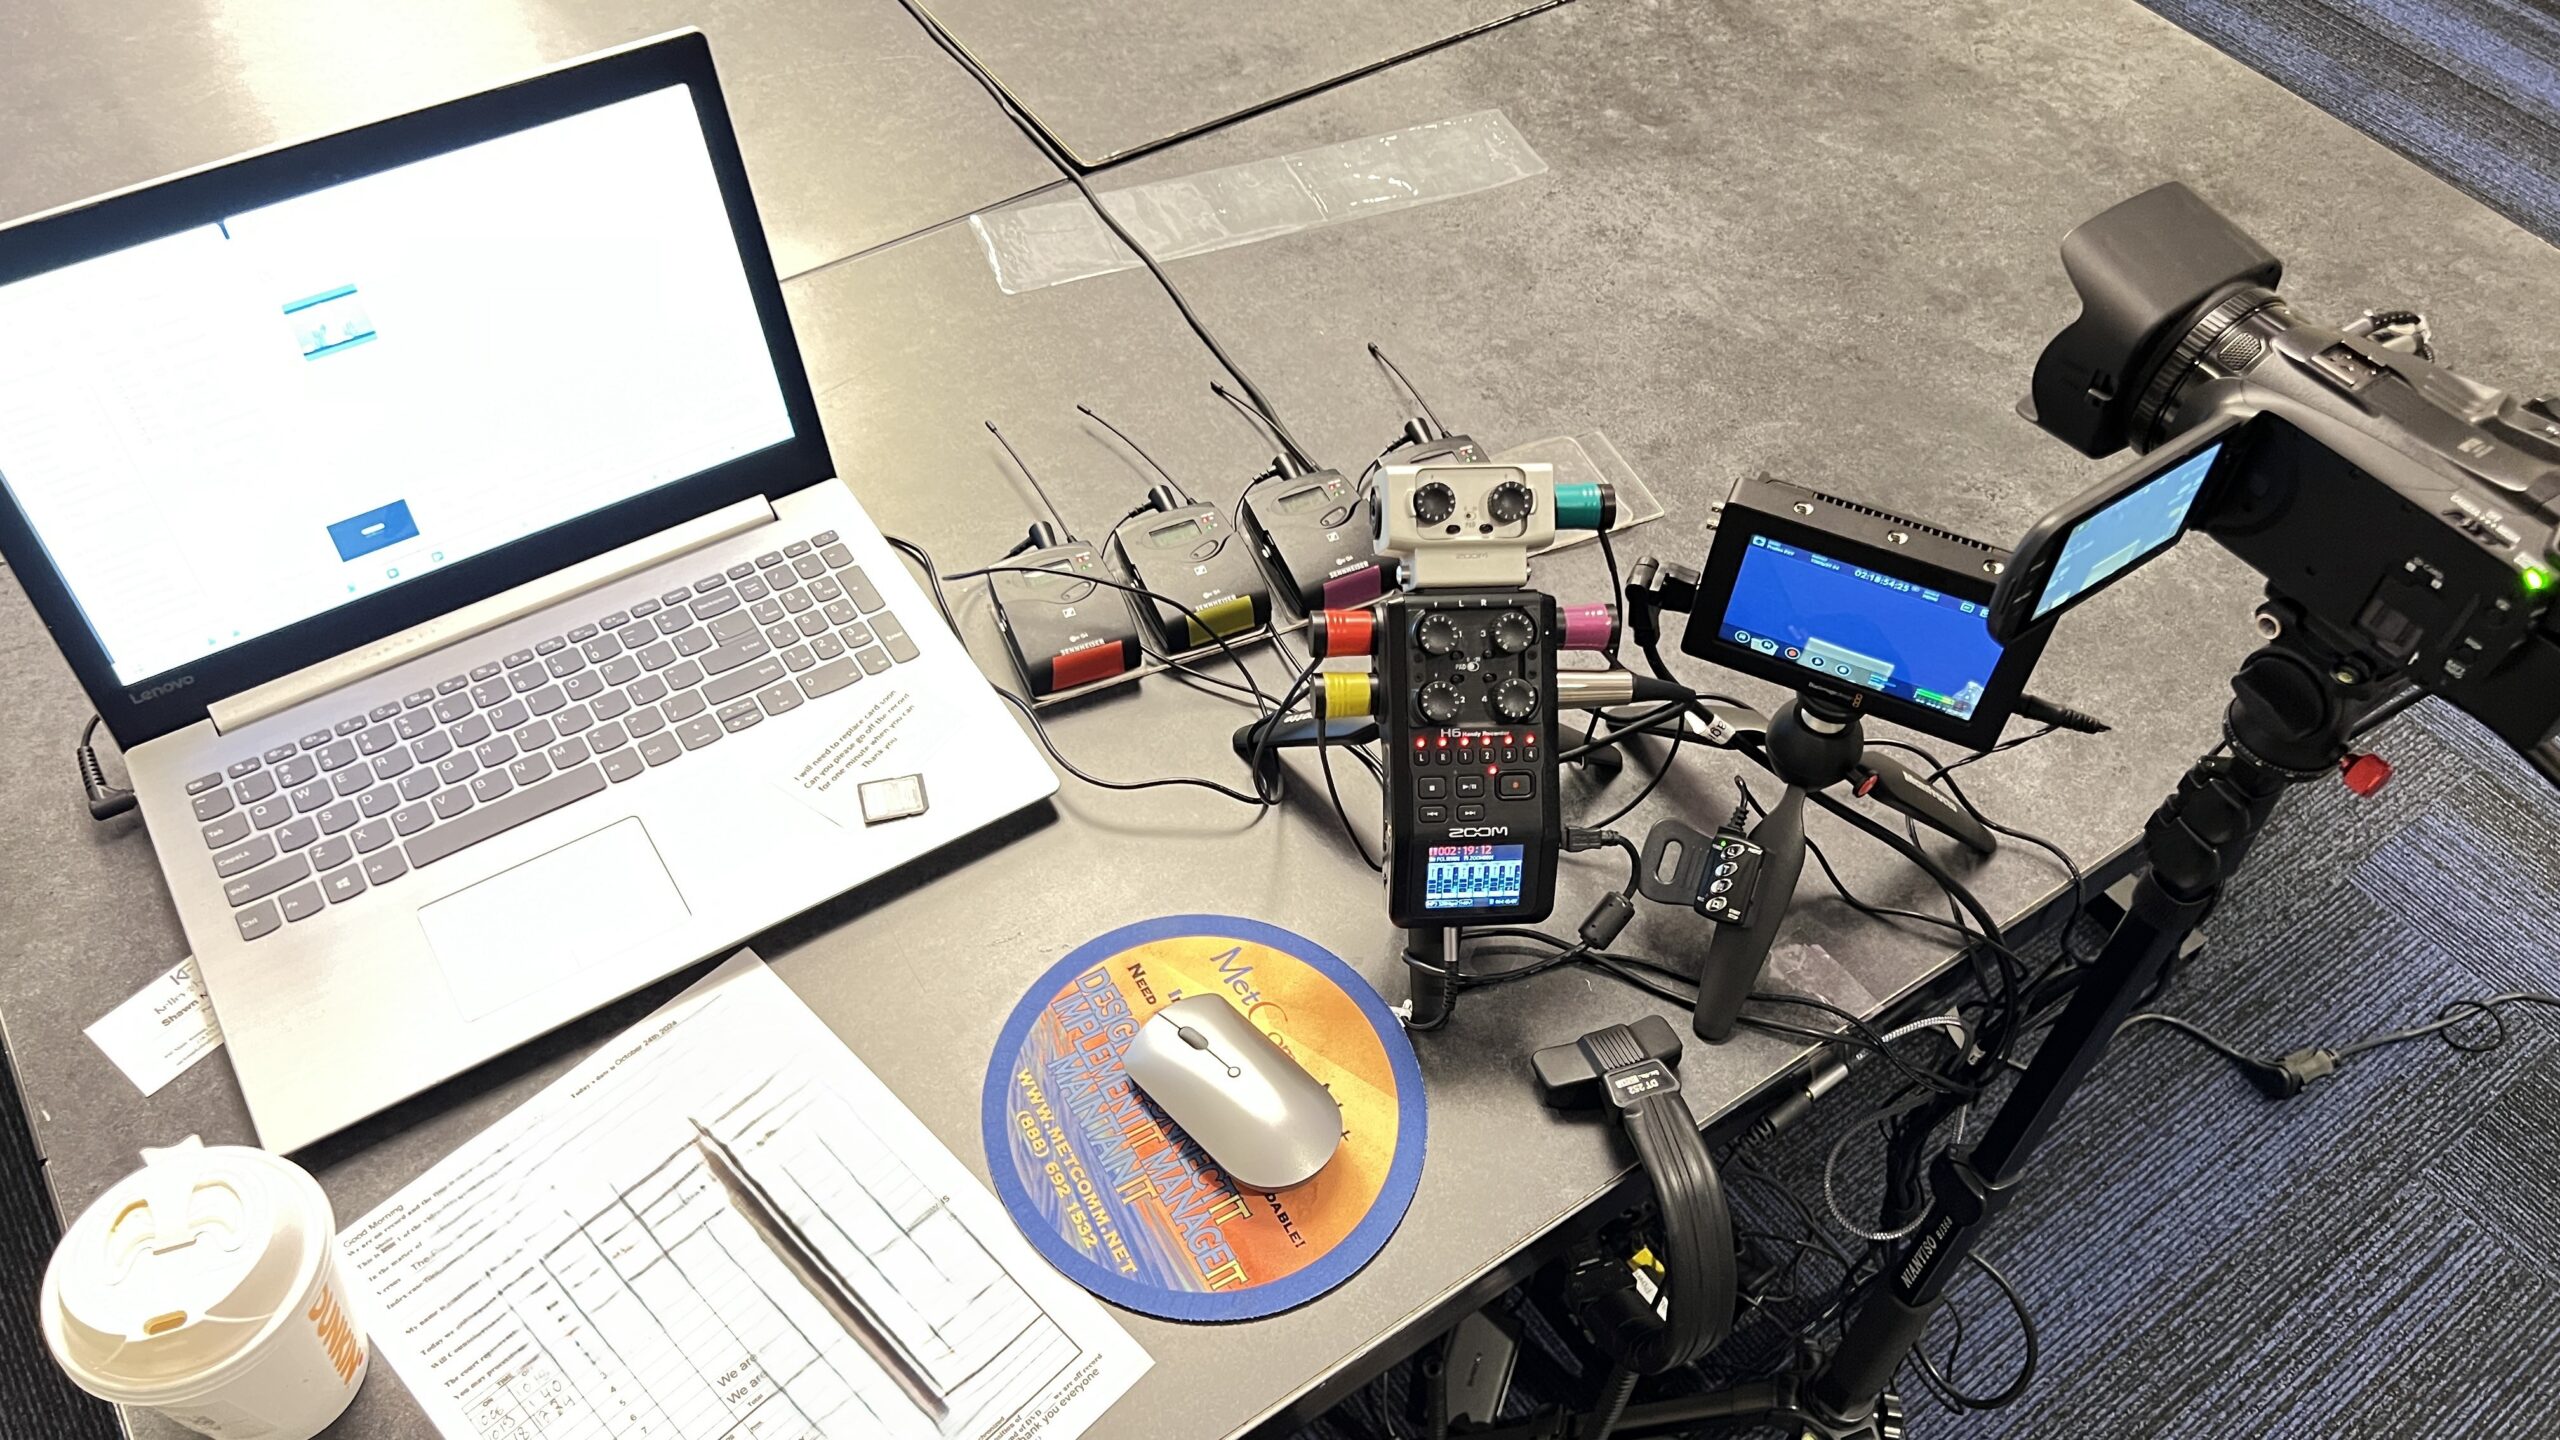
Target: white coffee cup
[{"x": 205, "y": 1286}]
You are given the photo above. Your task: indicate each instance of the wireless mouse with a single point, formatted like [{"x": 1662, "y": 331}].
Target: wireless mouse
[{"x": 1265, "y": 1121}]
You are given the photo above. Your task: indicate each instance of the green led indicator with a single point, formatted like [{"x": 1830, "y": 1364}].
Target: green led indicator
[{"x": 2537, "y": 580}]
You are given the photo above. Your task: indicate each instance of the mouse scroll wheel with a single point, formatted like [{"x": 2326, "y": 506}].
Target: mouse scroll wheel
[{"x": 1192, "y": 1038}]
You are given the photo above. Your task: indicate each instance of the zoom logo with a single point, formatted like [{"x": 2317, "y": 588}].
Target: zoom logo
[
  {"x": 1478, "y": 832},
  {"x": 165, "y": 687}
]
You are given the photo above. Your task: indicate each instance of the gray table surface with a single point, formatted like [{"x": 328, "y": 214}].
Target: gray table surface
[
  {"x": 856, "y": 130},
  {"x": 1106, "y": 76},
  {"x": 1817, "y": 242}
]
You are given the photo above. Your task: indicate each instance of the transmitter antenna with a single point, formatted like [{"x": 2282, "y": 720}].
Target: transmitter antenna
[
  {"x": 1288, "y": 447},
  {"x": 1091, "y": 414},
  {"x": 1407, "y": 386},
  {"x": 1045, "y": 502}
]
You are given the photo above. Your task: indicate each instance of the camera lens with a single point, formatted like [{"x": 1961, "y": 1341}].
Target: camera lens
[{"x": 2214, "y": 345}]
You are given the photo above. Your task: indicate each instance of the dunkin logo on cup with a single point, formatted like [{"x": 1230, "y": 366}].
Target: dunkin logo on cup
[{"x": 337, "y": 1335}]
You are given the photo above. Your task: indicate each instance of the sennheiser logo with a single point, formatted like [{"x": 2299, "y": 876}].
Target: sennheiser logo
[
  {"x": 165, "y": 687},
  {"x": 1478, "y": 832}
]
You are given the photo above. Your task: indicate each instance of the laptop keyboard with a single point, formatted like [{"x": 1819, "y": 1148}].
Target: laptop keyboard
[{"x": 321, "y": 821}]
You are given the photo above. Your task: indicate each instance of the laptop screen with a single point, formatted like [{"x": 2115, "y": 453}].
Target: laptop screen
[{"x": 231, "y": 429}]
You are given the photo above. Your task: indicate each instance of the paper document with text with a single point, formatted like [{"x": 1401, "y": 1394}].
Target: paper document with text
[{"x": 723, "y": 1226}]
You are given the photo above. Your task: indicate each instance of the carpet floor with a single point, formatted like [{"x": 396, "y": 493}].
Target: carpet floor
[
  {"x": 2375, "y": 1258},
  {"x": 2352, "y": 1262},
  {"x": 2372, "y": 1258},
  {"x": 2470, "y": 89}
]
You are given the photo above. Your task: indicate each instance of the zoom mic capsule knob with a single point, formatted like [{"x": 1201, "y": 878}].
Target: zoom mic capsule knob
[
  {"x": 1434, "y": 503},
  {"x": 1510, "y": 502},
  {"x": 1439, "y": 702},
  {"x": 1513, "y": 632},
  {"x": 1515, "y": 700},
  {"x": 1437, "y": 635}
]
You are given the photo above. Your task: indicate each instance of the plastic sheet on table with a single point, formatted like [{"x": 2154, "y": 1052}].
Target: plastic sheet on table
[
  {"x": 1810, "y": 970},
  {"x": 1583, "y": 458},
  {"x": 1050, "y": 240}
]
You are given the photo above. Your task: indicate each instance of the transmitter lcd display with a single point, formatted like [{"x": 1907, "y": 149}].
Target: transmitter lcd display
[
  {"x": 1472, "y": 877},
  {"x": 1856, "y": 626},
  {"x": 1305, "y": 502}
]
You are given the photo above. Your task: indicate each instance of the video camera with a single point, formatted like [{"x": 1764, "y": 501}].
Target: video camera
[{"x": 2403, "y": 515}]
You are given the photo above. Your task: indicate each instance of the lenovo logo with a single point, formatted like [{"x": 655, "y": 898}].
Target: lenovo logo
[{"x": 165, "y": 687}]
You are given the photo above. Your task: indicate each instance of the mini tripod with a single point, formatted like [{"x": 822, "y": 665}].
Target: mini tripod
[{"x": 1812, "y": 743}]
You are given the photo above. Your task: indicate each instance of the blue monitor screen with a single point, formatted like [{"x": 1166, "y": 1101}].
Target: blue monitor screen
[
  {"x": 1471, "y": 877},
  {"x": 1851, "y": 624},
  {"x": 2137, "y": 523}
]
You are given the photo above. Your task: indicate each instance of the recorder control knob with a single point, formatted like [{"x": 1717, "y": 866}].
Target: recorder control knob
[
  {"x": 1512, "y": 632},
  {"x": 1439, "y": 701},
  {"x": 1434, "y": 503},
  {"x": 1515, "y": 700},
  {"x": 1510, "y": 502},
  {"x": 1437, "y": 635}
]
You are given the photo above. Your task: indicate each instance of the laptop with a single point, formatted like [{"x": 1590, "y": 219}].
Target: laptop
[{"x": 438, "y": 515}]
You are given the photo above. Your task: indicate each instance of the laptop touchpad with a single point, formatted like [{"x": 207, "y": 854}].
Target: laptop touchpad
[{"x": 524, "y": 930}]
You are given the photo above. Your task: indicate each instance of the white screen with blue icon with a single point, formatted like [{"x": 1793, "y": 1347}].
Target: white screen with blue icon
[
  {"x": 224, "y": 431},
  {"x": 2105, "y": 544},
  {"x": 1852, "y": 625}
]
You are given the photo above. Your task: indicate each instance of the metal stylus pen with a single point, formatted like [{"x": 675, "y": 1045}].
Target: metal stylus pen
[{"x": 815, "y": 1273}]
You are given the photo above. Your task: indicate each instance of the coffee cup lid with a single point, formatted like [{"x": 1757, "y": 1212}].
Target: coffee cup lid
[{"x": 182, "y": 1265}]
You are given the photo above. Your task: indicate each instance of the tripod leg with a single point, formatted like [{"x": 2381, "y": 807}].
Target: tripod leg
[
  {"x": 2194, "y": 842},
  {"x": 1883, "y": 779},
  {"x": 1972, "y": 1189}
]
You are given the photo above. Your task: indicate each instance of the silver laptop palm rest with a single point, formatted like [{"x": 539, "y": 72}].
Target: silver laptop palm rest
[{"x": 286, "y": 691}]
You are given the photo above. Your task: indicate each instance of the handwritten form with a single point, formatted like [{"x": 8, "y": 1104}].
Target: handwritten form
[{"x": 579, "y": 1272}]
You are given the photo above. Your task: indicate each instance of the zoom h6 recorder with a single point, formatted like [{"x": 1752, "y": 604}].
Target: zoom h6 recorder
[{"x": 1467, "y": 708}]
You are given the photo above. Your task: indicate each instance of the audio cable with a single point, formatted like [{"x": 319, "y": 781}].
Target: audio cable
[
  {"x": 1261, "y": 799},
  {"x": 1057, "y": 155}
]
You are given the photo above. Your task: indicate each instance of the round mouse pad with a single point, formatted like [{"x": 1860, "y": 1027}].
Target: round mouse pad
[{"x": 1117, "y": 1197}]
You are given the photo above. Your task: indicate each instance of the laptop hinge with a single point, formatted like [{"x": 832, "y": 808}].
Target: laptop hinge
[{"x": 286, "y": 691}]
